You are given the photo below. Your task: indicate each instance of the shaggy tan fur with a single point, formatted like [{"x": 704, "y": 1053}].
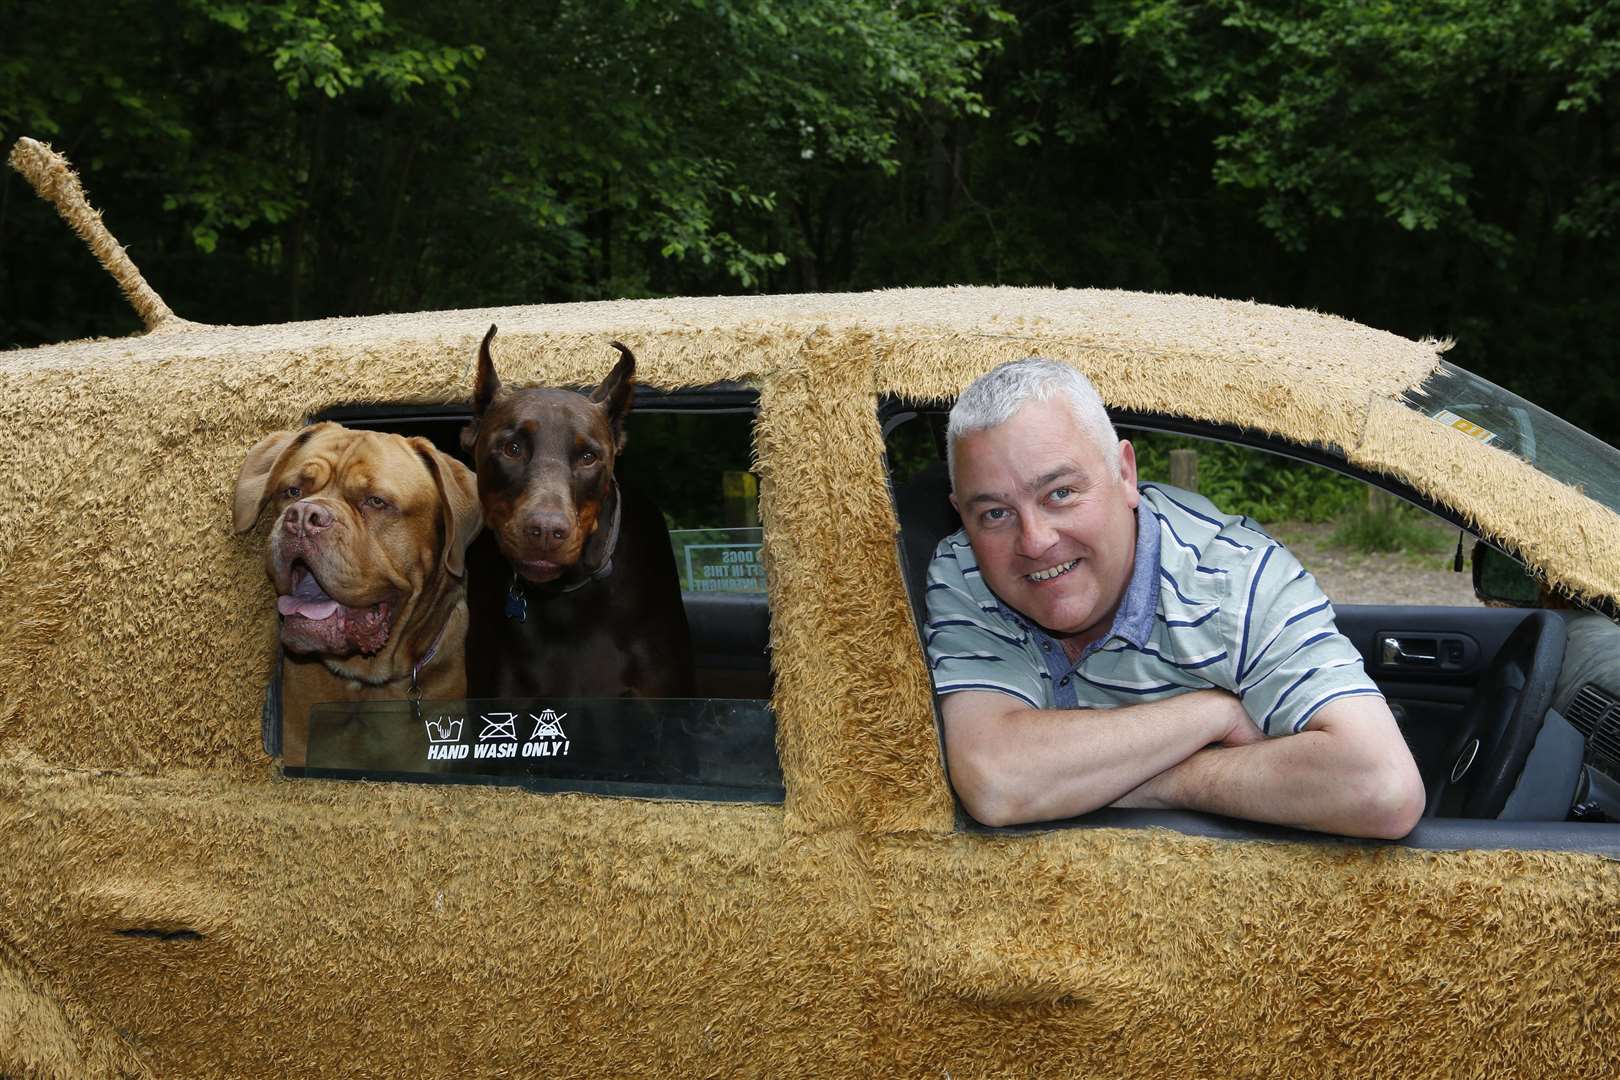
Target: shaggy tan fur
[
  {"x": 347, "y": 929},
  {"x": 45, "y": 1032},
  {"x": 1550, "y": 524}
]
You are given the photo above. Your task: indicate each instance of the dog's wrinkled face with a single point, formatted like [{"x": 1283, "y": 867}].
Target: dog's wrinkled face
[
  {"x": 545, "y": 462},
  {"x": 363, "y": 521}
]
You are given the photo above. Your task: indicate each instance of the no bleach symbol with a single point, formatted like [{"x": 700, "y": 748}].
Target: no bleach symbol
[{"x": 548, "y": 738}]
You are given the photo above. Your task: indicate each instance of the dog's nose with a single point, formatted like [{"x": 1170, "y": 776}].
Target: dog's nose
[
  {"x": 547, "y": 526},
  {"x": 305, "y": 518}
]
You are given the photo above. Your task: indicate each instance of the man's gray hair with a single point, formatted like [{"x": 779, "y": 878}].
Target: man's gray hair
[{"x": 997, "y": 395}]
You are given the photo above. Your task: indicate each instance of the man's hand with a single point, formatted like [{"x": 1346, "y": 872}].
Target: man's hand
[
  {"x": 1012, "y": 764},
  {"x": 1348, "y": 772}
]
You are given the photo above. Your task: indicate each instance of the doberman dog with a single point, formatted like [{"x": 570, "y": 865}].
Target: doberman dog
[{"x": 572, "y": 589}]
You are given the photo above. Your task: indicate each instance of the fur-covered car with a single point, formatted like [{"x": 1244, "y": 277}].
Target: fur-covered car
[{"x": 173, "y": 904}]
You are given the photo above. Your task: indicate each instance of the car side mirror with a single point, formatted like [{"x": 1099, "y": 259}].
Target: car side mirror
[{"x": 1503, "y": 579}]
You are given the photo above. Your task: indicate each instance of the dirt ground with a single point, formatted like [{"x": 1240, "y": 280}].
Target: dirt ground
[{"x": 1353, "y": 577}]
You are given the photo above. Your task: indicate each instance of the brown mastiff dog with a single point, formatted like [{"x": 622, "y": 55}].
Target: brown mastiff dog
[{"x": 367, "y": 556}]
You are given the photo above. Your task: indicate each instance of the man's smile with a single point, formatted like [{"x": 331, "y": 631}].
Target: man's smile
[{"x": 1053, "y": 571}]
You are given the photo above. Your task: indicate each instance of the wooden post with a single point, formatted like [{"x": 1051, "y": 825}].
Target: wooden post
[
  {"x": 741, "y": 492},
  {"x": 1184, "y": 469}
]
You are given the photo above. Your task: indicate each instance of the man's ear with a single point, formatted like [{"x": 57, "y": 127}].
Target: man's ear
[
  {"x": 261, "y": 464},
  {"x": 615, "y": 393},
  {"x": 458, "y": 502},
  {"x": 485, "y": 386},
  {"x": 1127, "y": 471}
]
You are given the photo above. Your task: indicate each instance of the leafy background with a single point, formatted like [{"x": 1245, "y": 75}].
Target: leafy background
[{"x": 1440, "y": 167}]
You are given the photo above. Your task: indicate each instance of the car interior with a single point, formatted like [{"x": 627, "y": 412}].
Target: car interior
[
  {"x": 719, "y": 745},
  {"x": 1512, "y": 712},
  {"x": 730, "y": 630}
]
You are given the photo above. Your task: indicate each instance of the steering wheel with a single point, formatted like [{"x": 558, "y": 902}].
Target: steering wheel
[{"x": 1504, "y": 716}]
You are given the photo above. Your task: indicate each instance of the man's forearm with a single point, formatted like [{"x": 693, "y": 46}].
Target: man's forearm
[
  {"x": 1312, "y": 780},
  {"x": 1025, "y": 765}
]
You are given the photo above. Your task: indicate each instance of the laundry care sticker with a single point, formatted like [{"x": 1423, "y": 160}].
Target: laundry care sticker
[
  {"x": 497, "y": 736},
  {"x": 1467, "y": 427},
  {"x": 630, "y": 746}
]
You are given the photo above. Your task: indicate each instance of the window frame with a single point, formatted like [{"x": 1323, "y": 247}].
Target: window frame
[
  {"x": 1434, "y": 834},
  {"x": 718, "y": 399}
]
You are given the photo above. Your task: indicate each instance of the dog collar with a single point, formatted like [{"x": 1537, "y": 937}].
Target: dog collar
[
  {"x": 416, "y": 668},
  {"x": 433, "y": 650},
  {"x": 517, "y": 599}
]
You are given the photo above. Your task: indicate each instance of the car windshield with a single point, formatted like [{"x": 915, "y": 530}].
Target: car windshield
[{"x": 1460, "y": 399}]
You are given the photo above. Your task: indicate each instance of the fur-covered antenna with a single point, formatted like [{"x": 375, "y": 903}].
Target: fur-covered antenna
[{"x": 56, "y": 182}]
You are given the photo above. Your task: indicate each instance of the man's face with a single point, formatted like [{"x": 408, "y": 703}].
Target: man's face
[{"x": 1053, "y": 527}]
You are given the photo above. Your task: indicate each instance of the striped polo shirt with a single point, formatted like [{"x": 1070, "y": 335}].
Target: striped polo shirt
[{"x": 1212, "y": 602}]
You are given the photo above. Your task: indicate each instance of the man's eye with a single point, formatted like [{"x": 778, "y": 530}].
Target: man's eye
[
  {"x": 1059, "y": 494},
  {"x": 376, "y": 502},
  {"x": 294, "y": 492},
  {"x": 991, "y": 517}
]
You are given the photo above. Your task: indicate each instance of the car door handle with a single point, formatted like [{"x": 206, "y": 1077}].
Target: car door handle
[{"x": 1393, "y": 652}]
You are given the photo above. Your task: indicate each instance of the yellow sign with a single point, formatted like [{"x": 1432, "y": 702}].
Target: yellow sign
[{"x": 1466, "y": 426}]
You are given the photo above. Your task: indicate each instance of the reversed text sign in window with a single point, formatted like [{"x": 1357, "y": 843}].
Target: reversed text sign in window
[{"x": 719, "y": 560}]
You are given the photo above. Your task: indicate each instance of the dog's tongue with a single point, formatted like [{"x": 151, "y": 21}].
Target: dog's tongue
[
  {"x": 307, "y": 599},
  {"x": 309, "y": 609}
]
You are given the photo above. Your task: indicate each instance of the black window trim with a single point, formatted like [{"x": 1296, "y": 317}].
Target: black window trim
[{"x": 723, "y": 397}]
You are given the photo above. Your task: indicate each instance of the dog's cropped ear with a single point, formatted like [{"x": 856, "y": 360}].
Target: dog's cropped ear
[
  {"x": 261, "y": 464},
  {"x": 458, "y": 501},
  {"x": 485, "y": 386},
  {"x": 615, "y": 393}
]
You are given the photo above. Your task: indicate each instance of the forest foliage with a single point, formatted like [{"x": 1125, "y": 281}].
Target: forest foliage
[{"x": 1433, "y": 167}]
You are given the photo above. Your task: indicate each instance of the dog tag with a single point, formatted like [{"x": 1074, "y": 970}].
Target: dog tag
[{"x": 517, "y": 606}]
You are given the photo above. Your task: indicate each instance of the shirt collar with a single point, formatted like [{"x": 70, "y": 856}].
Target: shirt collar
[{"x": 1134, "y": 619}]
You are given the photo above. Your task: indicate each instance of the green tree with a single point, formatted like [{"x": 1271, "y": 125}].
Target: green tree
[
  {"x": 1436, "y": 167},
  {"x": 323, "y": 156}
]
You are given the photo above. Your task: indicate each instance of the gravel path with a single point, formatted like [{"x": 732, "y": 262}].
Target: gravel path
[{"x": 1353, "y": 577}]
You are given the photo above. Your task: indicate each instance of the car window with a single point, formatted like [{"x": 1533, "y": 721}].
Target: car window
[
  {"x": 690, "y": 454},
  {"x": 1363, "y": 544},
  {"x": 1391, "y": 571},
  {"x": 702, "y": 471},
  {"x": 1462, "y": 400}
]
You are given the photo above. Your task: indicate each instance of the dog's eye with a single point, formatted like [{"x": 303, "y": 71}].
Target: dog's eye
[
  {"x": 294, "y": 492},
  {"x": 513, "y": 449},
  {"x": 376, "y": 502},
  {"x": 587, "y": 457}
]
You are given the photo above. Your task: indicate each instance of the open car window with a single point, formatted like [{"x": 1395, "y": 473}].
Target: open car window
[
  {"x": 1388, "y": 567},
  {"x": 690, "y": 452}
]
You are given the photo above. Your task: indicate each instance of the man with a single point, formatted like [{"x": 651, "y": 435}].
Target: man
[{"x": 1190, "y": 640}]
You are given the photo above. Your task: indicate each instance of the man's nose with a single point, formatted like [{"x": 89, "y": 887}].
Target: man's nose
[
  {"x": 1035, "y": 535},
  {"x": 306, "y": 518}
]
